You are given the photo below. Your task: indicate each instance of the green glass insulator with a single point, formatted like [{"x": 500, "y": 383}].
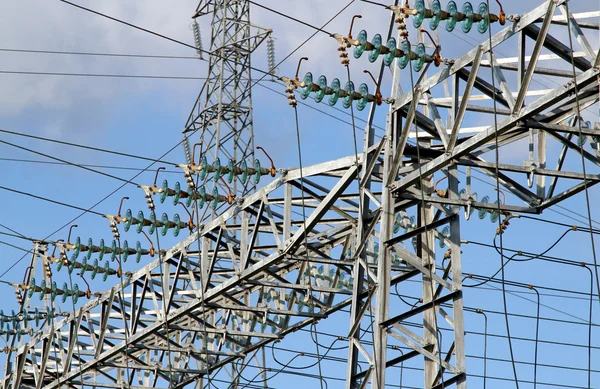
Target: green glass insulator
[
  {"x": 230, "y": 171},
  {"x": 102, "y": 247},
  {"x": 388, "y": 58},
  {"x": 258, "y": 173},
  {"x": 418, "y": 18},
  {"x": 177, "y": 194},
  {"x": 217, "y": 169},
  {"x": 177, "y": 221},
  {"x": 347, "y": 101},
  {"x": 152, "y": 226},
  {"x": 452, "y": 9},
  {"x": 374, "y": 54},
  {"x": 164, "y": 219},
  {"x": 581, "y": 140},
  {"x": 436, "y": 8},
  {"x": 417, "y": 64},
  {"x": 37, "y": 317},
  {"x": 483, "y": 212},
  {"x": 65, "y": 293},
  {"x": 244, "y": 172},
  {"x": 140, "y": 224},
  {"x": 495, "y": 215},
  {"x": 31, "y": 288},
  {"x": 128, "y": 220},
  {"x": 320, "y": 94},
  {"x": 467, "y": 23},
  {"x": 484, "y": 23},
  {"x": 474, "y": 196},
  {"x": 59, "y": 265},
  {"x": 77, "y": 248},
  {"x": 72, "y": 265},
  {"x": 84, "y": 264},
  {"x": 204, "y": 166},
  {"x": 201, "y": 196},
  {"x": 307, "y": 88},
  {"x": 106, "y": 269},
  {"x": 361, "y": 103},
  {"x": 138, "y": 251},
  {"x": 75, "y": 293},
  {"x": 335, "y": 95},
  {"x": 50, "y": 313},
  {"x": 360, "y": 49},
  {"x": 397, "y": 223},
  {"x": 405, "y": 59},
  {"x": 95, "y": 270},
  {"x": 215, "y": 201},
  {"x": 88, "y": 253},
  {"x": 114, "y": 249},
  {"x": 125, "y": 247},
  {"x": 164, "y": 192},
  {"x": 445, "y": 234},
  {"x": 43, "y": 291},
  {"x": 189, "y": 199}
]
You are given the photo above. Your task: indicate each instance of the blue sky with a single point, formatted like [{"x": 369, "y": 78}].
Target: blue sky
[{"x": 145, "y": 117}]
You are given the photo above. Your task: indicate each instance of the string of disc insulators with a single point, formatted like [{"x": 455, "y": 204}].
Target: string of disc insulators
[
  {"x": 101, "y": 249},
  {"x": 230, "y": 171},
  {"x": 198, "y": 194},
  {"x": 348, "y": 94},
  {"x": 25, "y": 317},
  {"x": 53, "y": 291},
  {"x": 467, "y": 17},
  {"x": 390, "y": 50}
]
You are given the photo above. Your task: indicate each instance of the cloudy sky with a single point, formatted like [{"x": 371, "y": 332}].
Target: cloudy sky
[{"x": 145, "y": 116}]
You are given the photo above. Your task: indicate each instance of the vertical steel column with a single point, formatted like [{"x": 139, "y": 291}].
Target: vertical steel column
[{"x": 456, "y": 258}]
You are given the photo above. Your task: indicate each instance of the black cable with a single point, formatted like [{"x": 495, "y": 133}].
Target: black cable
[
  {"x": 49, "y": 200},
  {"x": 68, "y": 162},
  {"x": 96, "y": 54},
  {"x": 585, "y": 185},
  {"x": 152, "y": 32},
  {"x": 83, "y": 164},
  {"x": 290, "y": 17},
  {"x": 86, "y": 147},
  {"x": 304, "y": 42},
  {"x": 155, "y": 77}
]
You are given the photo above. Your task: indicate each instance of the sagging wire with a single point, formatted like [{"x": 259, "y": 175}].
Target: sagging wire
[
  {"x": 500, "y": 225},
  {"x": 585, "y": 185},
  {"x": 430, "y": 266},
  {"x": 485, "y": 334},
  {"x": 291, "y": 85}
]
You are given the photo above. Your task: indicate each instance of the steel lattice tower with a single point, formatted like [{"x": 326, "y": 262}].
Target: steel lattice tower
[
  {"x": 222, "y": 114},
  {"x": 257, "y": 274}
]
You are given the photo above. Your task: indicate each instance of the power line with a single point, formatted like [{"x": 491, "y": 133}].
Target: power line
[
  {"x": 49, "y": 200},
  {"x": 95, "y": 54},
  {"x": 68, "y": 162},
  {"x": 86, "y": 165},
  {"x": 102, "y": 75},
  {"x": 82, "y": 146},
  {"x": 290, "y": 17}
]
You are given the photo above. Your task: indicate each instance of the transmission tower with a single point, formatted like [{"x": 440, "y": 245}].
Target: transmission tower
[
  {"x": 198, "y": 313},
  {"x": 222, "y": 114}
]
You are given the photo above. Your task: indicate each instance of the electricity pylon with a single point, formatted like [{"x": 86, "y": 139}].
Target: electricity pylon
[
  {"x": 222, "y": 114},
  {"x": 258, "y": 274}
]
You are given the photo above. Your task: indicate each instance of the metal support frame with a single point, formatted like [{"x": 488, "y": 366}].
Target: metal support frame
[{"x": 277, "y": 274}]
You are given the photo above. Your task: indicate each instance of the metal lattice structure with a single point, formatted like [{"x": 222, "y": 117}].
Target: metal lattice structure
[
  {"x": 222, "y": 114},
  {"x": 258, "y": 273}
]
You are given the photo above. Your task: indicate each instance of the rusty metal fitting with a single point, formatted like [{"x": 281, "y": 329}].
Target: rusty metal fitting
[
  {"x": 194, "y": 153},
  {"x": 151, "y": 250},
  {"x": 437, "y": 59},
  {"x": 69, "y": 236},
  {"x": 272, "y": 170},
  {"x": 191, "y": 224},
  {"x": 378, "y": 96},
  {"x": 121, "y": 205}
]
